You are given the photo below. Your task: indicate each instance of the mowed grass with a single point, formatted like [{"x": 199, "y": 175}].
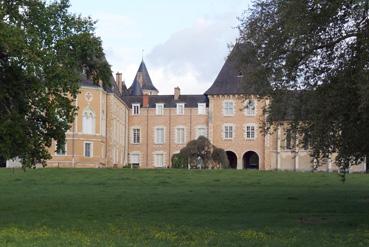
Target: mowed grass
[{"x": 123, "y": 207}]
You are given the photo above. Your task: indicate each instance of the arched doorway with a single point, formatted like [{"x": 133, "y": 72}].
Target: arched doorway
[
  {"x": 232, "y": 158},
  {"x": 251, "y": 160}
]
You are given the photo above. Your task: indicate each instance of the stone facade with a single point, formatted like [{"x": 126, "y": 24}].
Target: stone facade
[{"x": 116, "y": 126}]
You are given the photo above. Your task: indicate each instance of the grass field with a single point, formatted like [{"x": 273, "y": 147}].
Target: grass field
[{"x": 101, "y": 207}]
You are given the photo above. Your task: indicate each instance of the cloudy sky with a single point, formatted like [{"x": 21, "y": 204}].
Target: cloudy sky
[{"x": 185, "y": 42}]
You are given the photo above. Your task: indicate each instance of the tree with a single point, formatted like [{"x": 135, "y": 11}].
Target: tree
[
  {"x": 43, "y": 51},
  {"x": 205, "y": 151},
  {"x": 312, "y": 59}
]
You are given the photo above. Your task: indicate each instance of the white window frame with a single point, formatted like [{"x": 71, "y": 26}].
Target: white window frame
[
  {"x": 138, "y": 107},
  {"x": 225, "y": 126},
  {"x": 65, "y": 149},
  {"x": 162, "y": 160},
  {"x": 180, "y": 108},
  {"x": 88, "y": 115},
  {"x": 133, "y": 140},
  {"x": 226, "y": 108},
  {"x": 137, "y": 155},
  {"x": 250, "y": 131},
  {"x": 201, "y": 108},
  {"x": 156, "y": 140},
  {"x": 178, "y": 138},
  {"x": 159, "y": 109},
  {"x": 91, "y": 149},
  {"x": 248, "y": 112},
  {"x": 198, "y": 131}
]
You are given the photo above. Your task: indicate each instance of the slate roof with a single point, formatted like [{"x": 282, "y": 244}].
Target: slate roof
[
  {"x": 190, "y": 101},
  {"x": 113, "y": 88},
  {"x": 229, "y": 79},
  {"x": 142, "y": 81}
]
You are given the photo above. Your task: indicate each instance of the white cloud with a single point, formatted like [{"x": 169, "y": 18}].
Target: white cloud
[{"x": 191, "y": 58}]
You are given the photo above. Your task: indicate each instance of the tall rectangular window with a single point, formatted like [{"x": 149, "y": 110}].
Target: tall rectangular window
[
  {"x": 134, "y": 159},
  {"x": 250, "y": 132},
  {"x": 135, "y": 109},
  {"x": 228, "y": 108},
  {"x": 160, "y": 109},
  {"x": 201, "y": 108},
  {"x": 180, "y": 108},
  {"x": 228, "y": 131},
  {"x": 88, "y": 149},
  {"x": 180, "y": 135},
  {"x": 201, "y": 131},
  {"x": 159, "y": 135},
  {"x": 62, "y": 150},
  {"x": 159, "y": 160},
  {"x": 136, "y": 136}
]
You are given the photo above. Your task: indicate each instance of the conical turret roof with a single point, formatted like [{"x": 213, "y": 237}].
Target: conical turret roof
[{"x": 142, "y": 81}]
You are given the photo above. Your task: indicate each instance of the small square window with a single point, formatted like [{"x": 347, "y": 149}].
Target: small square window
[
  {"x": 201, "y": 108},
  {"x": 159, "y": 109},
  {"x": 228, "y": 108},
  {"x": 180, "y": 109}
]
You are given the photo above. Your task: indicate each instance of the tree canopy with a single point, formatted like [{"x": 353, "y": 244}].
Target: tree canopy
[
  {"x": 312, "y": 59},
  {"x": 43, "y": 51}
]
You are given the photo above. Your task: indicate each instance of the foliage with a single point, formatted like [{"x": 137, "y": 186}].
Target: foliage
[
  {"x": 43, "y": 51},
  {"x": 200, "y": 148},
  {"x": 219, "y": 156},
  {"x": 179, "y": 161},
  {"x": 312, "y": 59},
  {"x": 175, "y": 207}
]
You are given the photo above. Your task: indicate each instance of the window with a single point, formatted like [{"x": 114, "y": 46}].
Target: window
[
  {"x": 228, "y": 108},
  {"x": 62, "y": 150},
  {"x": 228, "y": 131},
  {"x": 159, "y": 135},
  {"x": 159, "y": 160},
  {"x": 306, "y": 143},
  {"x": 180, "y": 135},
  {"x": 201, "y": 108},
  {"x": 88, "y": 149},
  {"x": 250, "y": 108},
  {"x": 135, "y": 109},
  {"x": 88, "y": 122},
  {"x": 180, "y": 108},
  {"x": 134, "y": 159},
  {"x": 290, "y": 139},
  {"x": 201, "y": 131},
  {"x": 250, "y": 132},
  {"x": 159, "y": 109},
  {"x": 136, "y": 136}
]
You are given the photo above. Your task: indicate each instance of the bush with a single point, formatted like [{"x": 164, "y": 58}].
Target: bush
[
  {"x": 179, "y": 161},
  {"x": 219, "y": 156}
]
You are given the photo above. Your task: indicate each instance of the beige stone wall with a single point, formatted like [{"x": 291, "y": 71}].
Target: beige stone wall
[
  {"x": 147, "y": 121},
  {"x": 96, "y": 100},
  {"x": 239, "y": 144}
]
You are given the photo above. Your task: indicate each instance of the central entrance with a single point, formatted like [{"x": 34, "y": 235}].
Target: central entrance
[
  {"x": 232, "y": 158},
  {"x": 251, "y": 160}
]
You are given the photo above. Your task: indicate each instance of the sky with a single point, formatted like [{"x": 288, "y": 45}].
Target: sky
[{"x": 183, "y": 43}]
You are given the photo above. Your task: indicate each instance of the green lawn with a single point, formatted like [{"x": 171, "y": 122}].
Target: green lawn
[{"x": 122, "y": 207}]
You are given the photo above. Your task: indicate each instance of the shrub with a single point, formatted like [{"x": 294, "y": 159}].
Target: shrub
[
  {"x": 179, "y": 161},
  {"x": 219, "y": 156}
]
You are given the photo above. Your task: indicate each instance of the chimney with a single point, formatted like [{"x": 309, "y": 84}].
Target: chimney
[
  {"x": 145, "y": 99},
  {"x": 177, "y": 92},
  {"x": 119, "y": 80}
]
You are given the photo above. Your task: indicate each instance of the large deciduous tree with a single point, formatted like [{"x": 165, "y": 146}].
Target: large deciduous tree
[
  {"x": 312, "y": 58},
  {"x": 43, "y": 50}
]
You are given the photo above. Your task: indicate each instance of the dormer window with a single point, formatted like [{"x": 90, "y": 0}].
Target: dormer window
[
  {"x": 180, "y": 108},
  {"x": 135, "y": 109},
  {"x": 160, "y": 109}
]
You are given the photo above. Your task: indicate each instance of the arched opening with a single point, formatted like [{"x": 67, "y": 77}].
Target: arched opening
[
  {"x": 232, "y": 158},
  {"x": 251, "y": 160}
]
